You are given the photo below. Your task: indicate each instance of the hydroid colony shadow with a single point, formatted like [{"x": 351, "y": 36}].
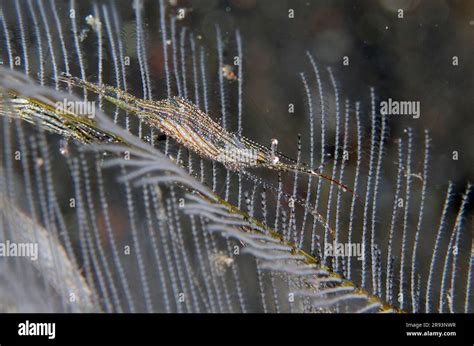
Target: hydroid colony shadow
[{"x": 132, "y": 220}]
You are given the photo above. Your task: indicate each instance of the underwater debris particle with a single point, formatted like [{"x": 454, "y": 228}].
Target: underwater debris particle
[
  {"x": 273, "y": 147},
  {"x": 228, "y": 72},
  {"x": 64, "y": 147},
  {"x": 39, "y": 162},
  {"x": 93, "y": 22},
  {"x": 83, "y": 34},
  {"x": 221, "y": 262}
]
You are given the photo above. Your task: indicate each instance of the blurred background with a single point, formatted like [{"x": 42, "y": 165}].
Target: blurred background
[{"x": 407, "y": 59}]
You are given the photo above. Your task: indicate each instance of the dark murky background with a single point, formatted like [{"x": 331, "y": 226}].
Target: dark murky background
[
  {"x": 409, "y": 59},
  {"x": 406, "y": 59}
]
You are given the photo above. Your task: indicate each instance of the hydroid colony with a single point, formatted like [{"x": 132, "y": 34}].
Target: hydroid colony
[{"x": 128, "y": 222}]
